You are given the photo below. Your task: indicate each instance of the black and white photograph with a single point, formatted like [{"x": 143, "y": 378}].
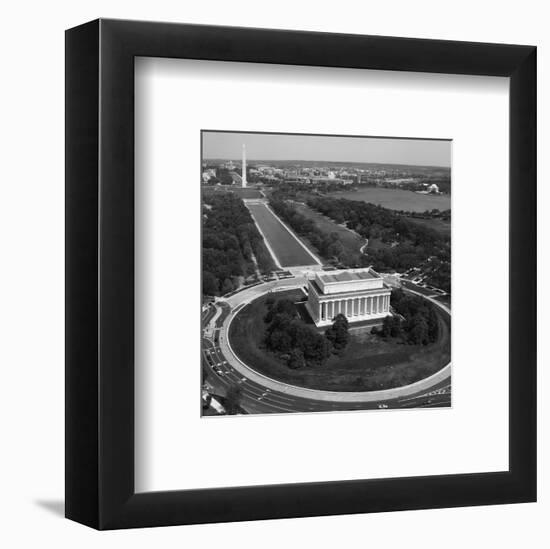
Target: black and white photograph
[
  {"x": 273, "y": 275},
  {"x": 326, "y": 273}
]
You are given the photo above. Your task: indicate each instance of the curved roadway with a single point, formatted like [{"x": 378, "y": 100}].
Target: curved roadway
[{"x": 260, "y": 394}]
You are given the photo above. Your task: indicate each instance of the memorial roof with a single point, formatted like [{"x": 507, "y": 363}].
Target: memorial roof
[
  {"x": 348, "y": 275},
  {"x": 364, "y": 292}
]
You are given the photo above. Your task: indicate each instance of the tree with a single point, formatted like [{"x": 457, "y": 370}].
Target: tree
[
  {"x": 418, "y": 333},
  {"x": 291, "y": 339},
  {"x": 315, "y": 347},
  {"x": 280, "y": 307},
  {"x": 279, "y": 340},
  {"x": 386, "y": 327},
  {"x": 227, "y": 286},
  {"x": 338, "y": 333},
  {"x": 296, "y": 359},
  {"x": 433, "y": 326},
  {"x": 209, "y": 284},
  {"x": 396, "y": 327},
  {"x": 392, "y": 327},
  {"x": 230, "y": 240}
]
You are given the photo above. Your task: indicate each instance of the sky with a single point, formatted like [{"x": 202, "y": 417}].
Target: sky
[{"x": 417, "y": 152}]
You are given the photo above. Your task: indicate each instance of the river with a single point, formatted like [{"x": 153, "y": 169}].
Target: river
[{"x": 397, "y": 199}]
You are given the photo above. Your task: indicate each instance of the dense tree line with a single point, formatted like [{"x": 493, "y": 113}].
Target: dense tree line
[
  {"x": 443, "y": 184},
  {"x": 291, "y": 339},
  {"x": 230, "y": 241},
  {"x": 296, "y": 189},
  {"x": 338, "y": 333},
  {"x": 438, "y": 274},
  {"x": 410, "y": 244},
  {"x": 444, "y": 215},
  {"x": 298, "y": 344},
  {"x": 416, "y": 321}
]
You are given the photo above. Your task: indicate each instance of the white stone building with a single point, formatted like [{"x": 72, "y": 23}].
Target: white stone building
[{"x": 359, "y": 294}]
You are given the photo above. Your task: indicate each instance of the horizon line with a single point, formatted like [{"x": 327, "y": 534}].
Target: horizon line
[{"x": 316, "y": 160}]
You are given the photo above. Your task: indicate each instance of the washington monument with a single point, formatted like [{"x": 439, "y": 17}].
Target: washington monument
[{"x": 243, "y": 177}]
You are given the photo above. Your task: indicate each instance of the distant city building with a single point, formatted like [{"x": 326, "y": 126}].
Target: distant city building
[
  {"x": 237, "y": 179},
  {"x": 359, "y": 294},
  {"x": 400, "y": 180},
  {"x": 208, "y": 174},
  {"x": 334, "y": 180}
]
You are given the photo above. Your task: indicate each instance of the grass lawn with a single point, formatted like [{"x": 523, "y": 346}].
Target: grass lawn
[
  {"x": 350, "y": 240},
  {"x": 376, "y": 244},
  {"x": 368, "y": 363}
]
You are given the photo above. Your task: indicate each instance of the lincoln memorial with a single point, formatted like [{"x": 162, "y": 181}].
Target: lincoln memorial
[{"x": 359, "y": 294}]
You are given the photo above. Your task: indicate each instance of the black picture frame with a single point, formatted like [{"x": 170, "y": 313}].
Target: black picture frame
[{"x": 100, "y": 274}]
